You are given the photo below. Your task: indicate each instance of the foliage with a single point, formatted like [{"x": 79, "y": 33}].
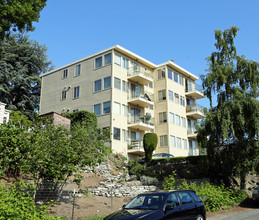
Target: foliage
[
  {"x": 230, "y": 130},
  {"x": 150, "y": 143},
  {"x": 21, "y": 62},
  {"x": 16, "y": 202},
  {"x": 119, "y": 160},
  {"x": 89, "y": 118},
  {"x": 20, "y": 120},
  {"x": 19, "y": 14},
  {"x": 216, "y": 197}
]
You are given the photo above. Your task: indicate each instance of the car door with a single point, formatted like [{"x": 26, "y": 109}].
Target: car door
[
  {"x": 187, "y": 206},
  {"x": 171, "y": 209}
]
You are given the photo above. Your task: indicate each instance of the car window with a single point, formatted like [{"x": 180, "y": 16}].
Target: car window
[
  {"x": 185, "y": 197},
  {"x": 195, "y": 197},
  {"x": 172, "y": 200},
  {"x": 145, "y": 202}
]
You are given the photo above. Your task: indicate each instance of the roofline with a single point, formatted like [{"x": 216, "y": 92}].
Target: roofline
[
  {"x": 116, "y": 47},
  {"x": 180, "y": 69}
]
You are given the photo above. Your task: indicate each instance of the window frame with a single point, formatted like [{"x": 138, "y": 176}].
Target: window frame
[
  {"x": 76, "y": 92},
  {"x": 65, "y": 74},
  {"x": 100, "y": 81},
  {"x": 118, "y": 135},
  {"x": 100, "y": 106},
  {"x": 104, "y": 111},
  {"x": 95, "y": 62},
  {"x": 110, "y": 82},
  {"x": 116, "y": 58},
  {"x": 77, "y": 70}
]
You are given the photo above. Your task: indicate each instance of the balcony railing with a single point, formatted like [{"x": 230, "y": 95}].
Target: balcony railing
[
  {"x": 194, "y": 90},
  {"x": 140, "y": 75},
  {"x": 196, "y": 111},
  {"x": 135, "y": 145},
  {"x": 144, "y": 95},
  {"x": 191, "y": 130},
  {"x": 145, "y": 119}
]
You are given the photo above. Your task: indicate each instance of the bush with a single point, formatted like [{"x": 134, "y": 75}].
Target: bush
[
  {"x": 17, "y": 203},
  {"x": 216, "y": 197}
]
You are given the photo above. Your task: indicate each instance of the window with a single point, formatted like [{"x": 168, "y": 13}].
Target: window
[
  {"x": 176, "y": 77},
  {"x": 97, "y": 109},
  {"x": 184, "y": 144},
  {"x": 185, "y": 198},
  {"x": 172, "y": 200},
  {"x": 171, "y": 95},
  {"x": 64, "y": 94},
  {"x": 177, "y": 120},
  {"x": 75, "y": 110},
  {"x": 180, "y": 80},
  {"x": 162, "y": 117},
  {"x": 176, "y": 97},
  {"x": 125, "y": 135},
  {"x": 106, "y": 107},
  {"x": 163, "y": 140},
  {"x": 78, "y": 70},
  {"x": 183, "y": 122},
  {"x": 5, "y": 120},
  {"x": 107, "y": 83},
  {"x": 182, "y": 102},
  {"x": 98, "y": 62},
  {"x": 116, "y": 133},
  {"x": 117, "y": 108},
  {"x": 117, "y": 83},
  {"x": 124, "y": 110},
  {"x": 65, "y": 73},
  {"x": 171, "y": 117},
  {"x": 179, "y": 142},
  {"x": 97, "y": 85},
  {"x": 161, "y": 73},
  {"x": 161, "y": 95},
  {"x": 107, "y": 59},
  {"x": 76, "y": 92},
  {"x": 125, "y": 63},
  {"x": 172, "y": 141},
  {"x": 170, "y": 74},
  {"x": 117, "y": 59},
  {"x": 124, "y": 86}
]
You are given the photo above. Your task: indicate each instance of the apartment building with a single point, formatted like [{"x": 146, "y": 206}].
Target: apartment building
[
  {"x": 131, "y": 96},
  {"x": 4, "y": 113}
]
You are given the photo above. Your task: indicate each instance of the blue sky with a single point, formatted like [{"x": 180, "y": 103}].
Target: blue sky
[{"x": 157, "y": 30}]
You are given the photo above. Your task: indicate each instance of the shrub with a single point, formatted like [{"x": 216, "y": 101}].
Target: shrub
[
  {"x": 217, "y": 197},
  {"x": 150, "y": 143}
]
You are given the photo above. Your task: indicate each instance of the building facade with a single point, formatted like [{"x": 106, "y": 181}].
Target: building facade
[
  {"x": 131, "y": 96},
  {"x": 4, "y": 113}
]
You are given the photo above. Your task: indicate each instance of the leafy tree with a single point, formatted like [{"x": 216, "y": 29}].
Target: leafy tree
[
  {"x": 230, "y": 130},
  {"x": 19, "y": 14},
  {"x": 21, "y": 62},
  {"x": 150, "y": 143}
]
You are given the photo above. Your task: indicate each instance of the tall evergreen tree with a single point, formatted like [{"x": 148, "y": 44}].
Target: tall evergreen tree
[
  {"x": 230, "y": 130},
  {"x": 21, "y": 62}
]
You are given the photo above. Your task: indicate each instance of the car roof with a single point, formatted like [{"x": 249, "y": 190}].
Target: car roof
[{"x": 166, "y": 192}]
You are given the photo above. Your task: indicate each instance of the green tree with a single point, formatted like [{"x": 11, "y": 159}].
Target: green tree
[
  {"x": 230, "y": 130},
  {"x": 150, "y": 143},
  {"x": 19, "y": 15},
  {"x": 21, "y": 62}
]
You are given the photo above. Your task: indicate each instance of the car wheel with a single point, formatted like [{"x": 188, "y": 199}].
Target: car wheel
[{"x": 199, "y": 217}]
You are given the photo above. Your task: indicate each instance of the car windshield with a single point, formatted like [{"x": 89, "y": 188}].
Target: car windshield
[{"x": 148, "y": 201}]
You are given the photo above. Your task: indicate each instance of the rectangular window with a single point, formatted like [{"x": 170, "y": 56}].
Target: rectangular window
[
  {"x": 78, "y": 70},
  {"x": 97, "y": 109},
  {"x": 176, "y": 98},
  {"x": 171, "y": 117},
  {"x": 184, "y": 122},
  {"x": 106, "y": 107},
  {"x": 124, "y": 135},
  {"x": 116, "y": 133},
  {"x": 185, "y": 144},
  {"x": 107, "y": 59},
  {"x": 150, "y": 85},
  {"x": 124, "y": 110},
  {"x": 163, "y": 141},
  {"x": 177, "y": 120},
  {"x": 117, "y": 83},
  {"x": 171, "y": 95},
  {"x": 117, "y": 59},
  {"x": 161, "y": 95},
  {"x": 179, "y": 142},
  {"x": 162, "y": 117},
  {"x": 125, "y": 63},
  {"x": 76, "y": 92},
  {"x": 180, "y": 80},
  {"x": 161, "y": 73},
  {"x": 107, "y": 83},
  {"x": 182, "y": 102},
  {"x": 176, "y": 77},
  {"x": 65, "y": 73},
  {"x": 117, "y": 108},
  {"x": 124, "y": 86},
  {"x": 98, "y": 62},
  {"x": 97, "y": 85},
  {"x": 75, "y": 110},
  {"x": 172, "y": 141},
  {"x": 170, "y": 74},
  {"x": 64, "y": 94}
]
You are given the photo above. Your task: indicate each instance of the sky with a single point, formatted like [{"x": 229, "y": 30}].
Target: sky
[{"x": 157, "y": 30}]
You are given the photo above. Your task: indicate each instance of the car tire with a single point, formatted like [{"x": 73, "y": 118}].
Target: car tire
[{"x": 199, "y": 217}]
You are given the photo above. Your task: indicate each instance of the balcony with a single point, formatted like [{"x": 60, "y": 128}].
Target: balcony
[
  {"x": 140, "y": 75},
  {"x": 192, "y": 133},
  {"x": 195, "y": 111},
  {"x": 142, "y": 99},
  {"x": 136, "y": 147},
  {"x": 194, "y": 91},
  {"x": 142, "y": 123}
]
